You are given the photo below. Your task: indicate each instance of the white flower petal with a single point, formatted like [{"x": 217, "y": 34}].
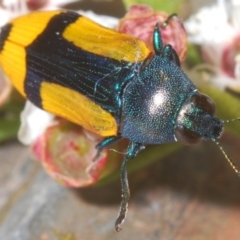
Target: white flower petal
[
  {"x": 213, "y": 53},
  {"x": 234, "y": 13},
  {"x": 34, "y": 121},
  {"x": 104, "y": 20},
  {"x": 209, "y": 25},
  {"x": 61, "y": 2},
  {"x": 4, "y": 17}
]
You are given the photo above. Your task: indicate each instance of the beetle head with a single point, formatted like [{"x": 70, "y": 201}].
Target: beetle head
[{"x": 196, "y": 120}]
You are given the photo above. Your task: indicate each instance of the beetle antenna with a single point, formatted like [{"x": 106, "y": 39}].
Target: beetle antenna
[
  {"x": 231, "y": 120},
  {"x": 233, "y": 165},
  {"x": 116, "y": 151}
]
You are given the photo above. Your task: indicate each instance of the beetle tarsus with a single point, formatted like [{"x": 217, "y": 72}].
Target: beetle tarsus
[{"x": 170, "y": 17}]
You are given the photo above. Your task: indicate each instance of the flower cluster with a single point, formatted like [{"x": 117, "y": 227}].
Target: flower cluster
[{"x": 216, "y": 29}]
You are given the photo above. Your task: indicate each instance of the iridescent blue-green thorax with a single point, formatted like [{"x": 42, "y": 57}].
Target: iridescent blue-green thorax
[{"x": 152, "y": 101}]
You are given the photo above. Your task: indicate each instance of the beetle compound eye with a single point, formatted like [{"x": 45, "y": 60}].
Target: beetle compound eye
[
  {"x": 204, "y": 102},
  {"x": 186, "y": 136}
]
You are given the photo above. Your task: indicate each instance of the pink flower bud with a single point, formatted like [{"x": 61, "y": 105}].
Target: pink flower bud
[
  {"x": 68, "y": 155},
  {"x": 229, "y": 54},
  {"x": 140, "y": 21},
  {"x": 36, "y": 4}
]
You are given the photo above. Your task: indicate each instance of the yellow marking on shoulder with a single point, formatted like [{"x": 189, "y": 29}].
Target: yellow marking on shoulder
[
  {"x": 75, "y": 107},
  {"x": 24, "y": 31},
  {"x": 92, "y": 37}
]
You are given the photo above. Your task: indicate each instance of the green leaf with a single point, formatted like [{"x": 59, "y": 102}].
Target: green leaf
[
  {"x": 172, "y": 6},
  {"x": 8, "y": 129},
  {"x": 10, "y": 119},
  {"x": 148, "y": 156},
  {"x": 193, "y": 56}
]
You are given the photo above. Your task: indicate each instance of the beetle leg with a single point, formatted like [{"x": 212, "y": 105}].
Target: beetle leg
[
  {"x": 159, "y": 48},
  {"x": 157, "y": 38},
  {"x": 133, "y": 150},
  {"x": 105, "y": 143}
]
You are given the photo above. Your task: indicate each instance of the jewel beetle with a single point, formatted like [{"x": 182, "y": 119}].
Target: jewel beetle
[{"x": 108, "y": 82}]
